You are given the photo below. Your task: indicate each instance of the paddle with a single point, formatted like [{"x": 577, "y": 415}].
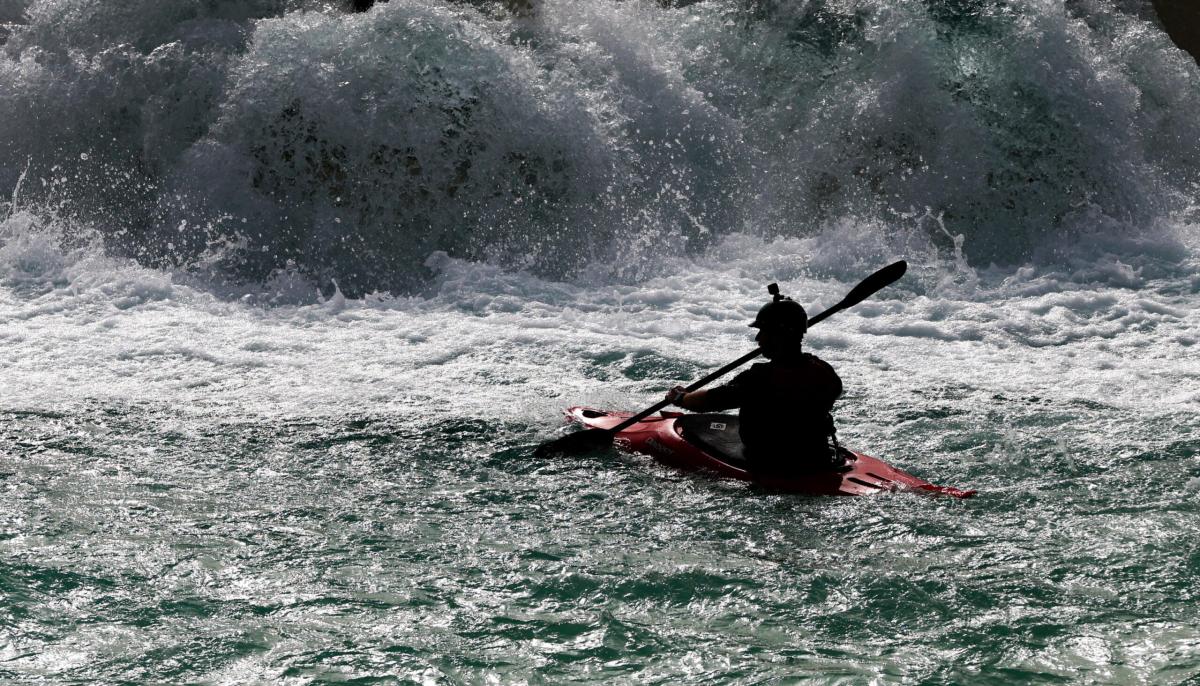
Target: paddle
[{"x": 594, "y": 439}]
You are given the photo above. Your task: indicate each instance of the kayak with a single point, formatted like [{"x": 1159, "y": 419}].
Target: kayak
[{"x": 710, "y": 442}]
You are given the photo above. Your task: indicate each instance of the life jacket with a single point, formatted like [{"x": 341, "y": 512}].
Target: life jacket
[{"x": 786, "y": 421}]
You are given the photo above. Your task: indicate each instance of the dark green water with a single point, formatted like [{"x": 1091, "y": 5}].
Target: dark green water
[{"x": 142, "y": 546}]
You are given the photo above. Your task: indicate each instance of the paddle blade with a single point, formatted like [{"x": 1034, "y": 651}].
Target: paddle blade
[
  {"x": 948, "y": 490},
  {"x": 869, "y": 286},
  {"x": 875, "y": 283},
  {"x": 585, "y": 441}
]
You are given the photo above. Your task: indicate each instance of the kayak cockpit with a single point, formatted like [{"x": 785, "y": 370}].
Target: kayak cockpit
[{"x": 716, "y": 434}]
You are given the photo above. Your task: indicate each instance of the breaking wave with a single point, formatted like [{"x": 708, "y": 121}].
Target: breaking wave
[{"x": 250, "y": 139}]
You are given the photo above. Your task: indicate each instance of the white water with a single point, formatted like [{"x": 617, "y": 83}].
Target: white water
[
  {"x": 480, "y": 341},
  {"x": 185, "y": 389}
]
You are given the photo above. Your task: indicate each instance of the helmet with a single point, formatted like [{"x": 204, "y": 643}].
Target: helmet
[{"x": 781, "y": 314}]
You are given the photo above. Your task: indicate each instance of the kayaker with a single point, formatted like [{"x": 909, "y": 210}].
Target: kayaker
[{"x": 785, "y": 403}]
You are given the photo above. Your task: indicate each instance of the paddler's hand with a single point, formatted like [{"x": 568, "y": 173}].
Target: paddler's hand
[{"x": 676, "y": 395}]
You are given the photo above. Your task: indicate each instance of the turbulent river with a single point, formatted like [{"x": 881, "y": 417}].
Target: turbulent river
[{"x": 288, "y": 295}]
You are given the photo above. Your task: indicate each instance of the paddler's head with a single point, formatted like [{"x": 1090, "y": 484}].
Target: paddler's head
[{"x": 781, "y": 325}]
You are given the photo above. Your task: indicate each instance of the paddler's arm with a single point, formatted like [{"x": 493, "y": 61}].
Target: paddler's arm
[{"x": 704, "y": 400}]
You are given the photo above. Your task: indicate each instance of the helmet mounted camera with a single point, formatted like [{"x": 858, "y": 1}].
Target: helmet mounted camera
[{"x": 781, "y": 315}]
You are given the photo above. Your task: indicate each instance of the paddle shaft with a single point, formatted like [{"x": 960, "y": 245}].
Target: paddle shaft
[
  {"x": 721, "y": 372},
  {"x": 694, "y": 387}
]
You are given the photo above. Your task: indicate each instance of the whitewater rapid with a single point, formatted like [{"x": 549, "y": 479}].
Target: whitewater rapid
[
  {"x": 288, "y": 297},
  {"x": 215, "y": 486},
  {"x": 267, "y": 138},
  {"x": 483, "y": 341}
]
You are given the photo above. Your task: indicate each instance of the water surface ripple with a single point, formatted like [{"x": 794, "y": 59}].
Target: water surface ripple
[{"x": 141, "y": 547}]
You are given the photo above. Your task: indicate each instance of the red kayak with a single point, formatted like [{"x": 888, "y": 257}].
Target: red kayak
[{"x": 710, "y": 442}]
